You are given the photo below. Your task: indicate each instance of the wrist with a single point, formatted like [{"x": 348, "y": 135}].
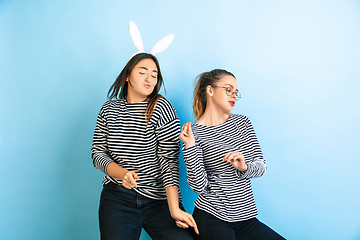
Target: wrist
[
  {"x": 189, "y": 145},
  {"x": 244, "y": 168},
  {"x": 174, "y": 210},
  {"x": 173, "y": 206},
  {"x": 123, "y": 173}
]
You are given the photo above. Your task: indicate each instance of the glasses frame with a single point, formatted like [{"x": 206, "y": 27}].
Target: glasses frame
[{"x": 238, "y": 94}]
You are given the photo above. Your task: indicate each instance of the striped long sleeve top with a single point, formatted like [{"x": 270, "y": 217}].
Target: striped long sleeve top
[
  {"x": 224, "y": 191},
  {"x": 150, "y": 149}
]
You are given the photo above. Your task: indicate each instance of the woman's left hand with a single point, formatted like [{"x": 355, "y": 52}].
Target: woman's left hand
[
  {"x": 237, "y": 160},
  {"x": 184, "y": 219}
]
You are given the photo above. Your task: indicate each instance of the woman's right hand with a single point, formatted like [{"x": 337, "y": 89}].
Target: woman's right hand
[
  {"x": 128, "y": 180},
  {"x": 187, "y": 135}
]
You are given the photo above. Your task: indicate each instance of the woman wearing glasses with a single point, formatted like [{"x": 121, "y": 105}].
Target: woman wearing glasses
[{"x": 222, "y": 154}]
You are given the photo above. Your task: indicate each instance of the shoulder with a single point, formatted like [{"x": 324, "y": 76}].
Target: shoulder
[
  {"x": 164, "y": 104},
  {"x": 241, "y": 119},
  {"x": 164, "y": 112},
  {"x": 110, "y": 106},
  {"x": 164, "y": 107}
]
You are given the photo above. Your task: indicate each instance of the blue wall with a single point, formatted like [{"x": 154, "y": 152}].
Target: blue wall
[{"x": 297, "y": 64}]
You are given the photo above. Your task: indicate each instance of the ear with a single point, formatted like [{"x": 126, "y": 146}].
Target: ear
[{"x": 209, "y": 90}]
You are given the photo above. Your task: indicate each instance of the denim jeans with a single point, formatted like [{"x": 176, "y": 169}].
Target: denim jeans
[
  {"x": 123, "y": 213},
  {"x": 212, "y": 228}
]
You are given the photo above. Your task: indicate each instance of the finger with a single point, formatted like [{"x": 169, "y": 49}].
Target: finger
[
  {"x": 185, "y": 132},
  {"x": 193, "y": 224},
  {"x": 185, "y": 127},
  {"x": 240, "y": 156},
  {"x": 183, "y": 137},
  {"x": 226, "y": 155},
  {"x": 231, "y": 156},
  {"x": 126, "y": 185},
  {"x": 237, "y": 156},
  {"x": 181, "y": 224},
  {"x": 132, "y": 181},
  {"x": 189, "y": 128},
  {"x": 135, "y": 176},
  {"x": 188, "y": 221}
]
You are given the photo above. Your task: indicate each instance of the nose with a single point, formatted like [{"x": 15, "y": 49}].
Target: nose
[
  {"x": 147, "y": 77},
  {"x": 233, "y": 95}
]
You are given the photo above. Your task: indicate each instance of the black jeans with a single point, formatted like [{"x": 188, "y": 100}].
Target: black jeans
[
  {"x": 123, "y": 213},
  {"x": 212, "y": 228}
]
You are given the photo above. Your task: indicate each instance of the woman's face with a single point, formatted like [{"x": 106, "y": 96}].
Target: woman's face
[
  {"x": 223, "y": 95},
  {"x": 142, "y": 80}
]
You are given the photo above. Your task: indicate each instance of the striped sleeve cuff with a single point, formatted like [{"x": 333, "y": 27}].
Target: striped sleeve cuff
[
  {"x": 190, "y": 155},
  {"x": 247, "y": 173},
  {"x": 101, "y": 161},
  {"x": 255, "y": 169}
]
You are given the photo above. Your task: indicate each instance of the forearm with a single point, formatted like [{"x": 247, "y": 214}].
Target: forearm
[
  {"x": 255, "y": 169},
  {"x": 172, "y": 194},
  {"x": 99, "y": 151},
  {"x": 256, "y": 164},
  {"x": 196, "y": 174},
  {"x": 116, "y": 171},
  {"x": 183, "y": 219}
]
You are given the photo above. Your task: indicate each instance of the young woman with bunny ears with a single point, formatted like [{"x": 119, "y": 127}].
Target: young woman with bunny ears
[
  {"x": 136, "y": 145},
  {"x": 222, "y": 154}
]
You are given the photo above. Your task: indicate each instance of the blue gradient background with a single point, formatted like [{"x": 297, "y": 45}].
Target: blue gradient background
[{"x": 297, "y": 64}]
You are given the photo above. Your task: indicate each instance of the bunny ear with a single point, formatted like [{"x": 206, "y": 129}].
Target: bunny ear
[
  {"x": 135, "y": 36},
  {"x": 162, "y": 44}
]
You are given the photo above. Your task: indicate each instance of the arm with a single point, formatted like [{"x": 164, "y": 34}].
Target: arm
[
  {"x": 183, "y": 219},
  {"x": 256, "y": 164},
  {"x": 196, "y": 174},
  {"x": 168, "y": 153},
  {"x": 101, "y": 158},
  {"x": 99, "y": 150}
]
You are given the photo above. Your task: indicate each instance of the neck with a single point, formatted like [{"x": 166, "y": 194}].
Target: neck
[
  {"x": 213, "y": 116},
  {"x": 130, "y": 98}
]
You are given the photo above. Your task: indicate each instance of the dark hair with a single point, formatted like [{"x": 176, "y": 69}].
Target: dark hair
[
  {"x": 202, "y": 81},
  {"x": 120, "y": 83}
]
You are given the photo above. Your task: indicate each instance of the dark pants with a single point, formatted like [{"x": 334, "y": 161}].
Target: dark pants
[
  {"x": 212, "y": 228},
  {"x": 123, "y": 213}
]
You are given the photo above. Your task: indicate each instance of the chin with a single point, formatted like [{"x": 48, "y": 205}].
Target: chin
[{"x": 229, "y": 109}]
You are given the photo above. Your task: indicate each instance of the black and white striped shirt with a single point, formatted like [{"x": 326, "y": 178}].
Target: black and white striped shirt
[
  {"x": 150, "y": 150},
  {"x": 224, "y": 191}
]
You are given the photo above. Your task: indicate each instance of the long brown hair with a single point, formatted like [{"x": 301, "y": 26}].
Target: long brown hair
[
  {"x": 202, "y": 81},
  {"x": 121, "y": 85}
]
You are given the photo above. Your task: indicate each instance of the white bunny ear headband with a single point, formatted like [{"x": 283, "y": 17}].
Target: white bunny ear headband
[{"x": 136, "y": 38}]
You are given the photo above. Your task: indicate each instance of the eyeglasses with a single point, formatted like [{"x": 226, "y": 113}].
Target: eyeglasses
[{"x": 230, "y": 92}]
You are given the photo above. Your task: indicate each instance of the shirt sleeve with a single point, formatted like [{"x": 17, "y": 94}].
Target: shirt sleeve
[
  {"x": 99, "y": 150},
  {"x": 168, "y": 152},
  {"x": 256, "y": 163},
  {"x": 196, "y": 174}
]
